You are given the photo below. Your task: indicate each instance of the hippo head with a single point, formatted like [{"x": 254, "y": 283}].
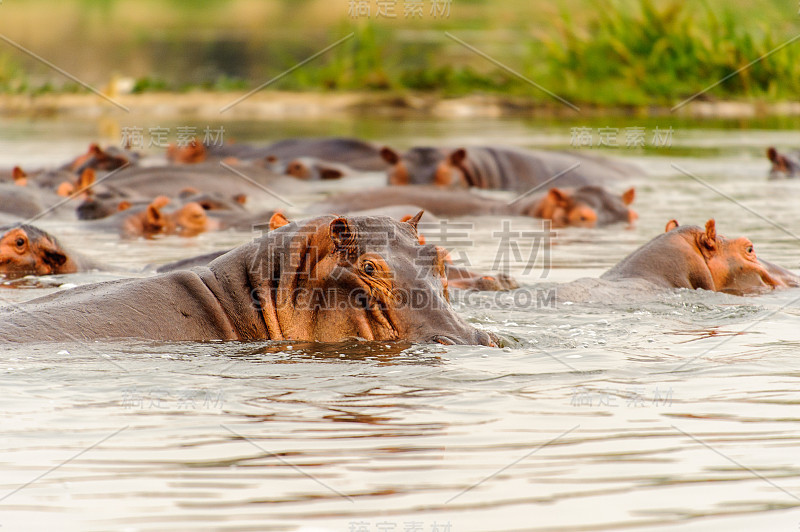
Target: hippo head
[
  {"x": 363, "y": 276},
  {"x": 587, "y": 206},
  {"x": 311, "y": 169},
  {"x": 191, "y": 153},
  {"x": 783, "y": 165},
  {"x": 80, "y": 187},
  {"x": 27, "y": 250},
  {"x": 189, "y": 220},
  {"x": 99, "y": 159},
  {"x": 425, "y": 166},
  {"x": 213, "y": 201},
  {"x": 732, "y": 263}
]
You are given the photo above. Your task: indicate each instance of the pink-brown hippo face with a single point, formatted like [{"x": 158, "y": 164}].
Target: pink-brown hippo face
[
  {"x": 362, "y": 276},
  {"x": 425, "y": 166},
  {"x": 784, "y": 165},
  {"x": 27, "y": 250},
  {"x": 733, "y": 263},
  {"x": 587, "y": 206}
]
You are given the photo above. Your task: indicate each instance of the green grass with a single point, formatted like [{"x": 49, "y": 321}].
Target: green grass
[{"x": 606, "y": 52}]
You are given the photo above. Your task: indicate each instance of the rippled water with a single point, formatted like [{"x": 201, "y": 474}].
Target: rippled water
[{"x": 615, "y": 409}]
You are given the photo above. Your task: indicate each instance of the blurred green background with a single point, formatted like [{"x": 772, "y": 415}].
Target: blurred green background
[{"x": 604, "y": 52}]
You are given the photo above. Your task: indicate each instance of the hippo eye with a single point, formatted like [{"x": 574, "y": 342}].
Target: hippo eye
[
  {"x": 749, "y": 249},
  {"x": 369, "y": 268},
  {"x": 20, "y": 242}
]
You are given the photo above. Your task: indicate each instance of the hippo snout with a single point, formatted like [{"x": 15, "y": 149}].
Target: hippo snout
[{"x": 476, "y": 338}]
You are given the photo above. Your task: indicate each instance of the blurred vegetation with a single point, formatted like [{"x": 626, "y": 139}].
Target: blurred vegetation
[{"x": 599, "y": 52}]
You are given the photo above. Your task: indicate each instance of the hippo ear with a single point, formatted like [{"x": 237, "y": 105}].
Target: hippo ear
[
  {"x": 241, "y": 199},
  {"x": 709, "y": 238},
  {"x": 154, "y": 216},
  {"x": 389, "y": 155},
  {"x": 628, "y": 196},
  {"x": 87, "y": 179},
  {"x": 278, "y": 220},
  {"x": 558, "y": 196},
  {"x": 342, "y": 233},
  {"x": 160, "y": 202},
  {"x": 458, "y": 157},
  {"x": 19, "y": 175},
  {"x": 772, "y": 154},
  {"x": 413, "y": 221},
  {"x": 124, "y": 205},
  {"x": 271, "y": 159},
  {"x": 672, "y": 224}
]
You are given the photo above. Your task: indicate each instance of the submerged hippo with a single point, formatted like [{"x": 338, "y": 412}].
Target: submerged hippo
[
  {"x": 457, "y": 277},
  {"x": 158, "y": 218},
  {"x": 692, "y": 257},
  {"x": 501, "y": 168},
  {"x": 97, "y": 158},
  {"x": 27, "y": 250},
  {"x": 355, "y": 153},
  {"x": 587, "y": 206},
  {"x": 784, "y": 165},
  {"x": 322, "y": 279},
  {"x": 309, "y": 168}
]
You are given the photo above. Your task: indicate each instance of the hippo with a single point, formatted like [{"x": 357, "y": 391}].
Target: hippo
[
  {"x": 323, "y": 279},
  {"x": 97, "y": 158},
  {"x": 210, "y": 178},
  {"x": 784, "y": 165},
  {"x": 457, "y": 277},
  {"x": 309, "y": 168},
  {"x": 354, "y": 153},
  {"x": 692, "y": 257},
  {"x": 28, "y": 250},
  {"x": 502, "y": 168},
  {"x": 587, "y": 206},
  {"x": 156, "y": 219},
  {"x": 25, "y": 202}
]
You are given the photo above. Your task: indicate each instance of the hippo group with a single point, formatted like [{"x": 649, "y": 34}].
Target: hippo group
[{"x": 354, "y": 265}]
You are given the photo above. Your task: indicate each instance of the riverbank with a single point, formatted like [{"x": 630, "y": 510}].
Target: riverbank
[{"x": 305, "y": 105}]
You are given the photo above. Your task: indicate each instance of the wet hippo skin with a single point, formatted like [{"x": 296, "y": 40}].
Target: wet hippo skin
[
  {"x": 320, "y": 279},
  {"x": 693, "y": 257}
]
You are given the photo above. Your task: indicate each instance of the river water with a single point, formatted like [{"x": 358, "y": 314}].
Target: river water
[{"x": 607, "y": 409}]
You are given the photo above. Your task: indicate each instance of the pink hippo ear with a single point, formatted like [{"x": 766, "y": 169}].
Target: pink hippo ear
[
  {"x": 709, "y": 238},
  {"x": 241, "y": 199},
  {"x": 672, "y": 224},
  {"x": 628, "y": 196},
  {"x": 154, "y": 216},
  {"x": 415, "y": 220},
  {"x": 278, "y": 220},
  {"x": 458, "y": 157},
  {"x": 86, "y": 179},
  {"x": 558, "y": 196},
  {"x": 389, "y": 155},
  {"x": 342, "y": 234},
  {"x": 19, "y": 176},
  {"x": 772, "y": 154}
]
